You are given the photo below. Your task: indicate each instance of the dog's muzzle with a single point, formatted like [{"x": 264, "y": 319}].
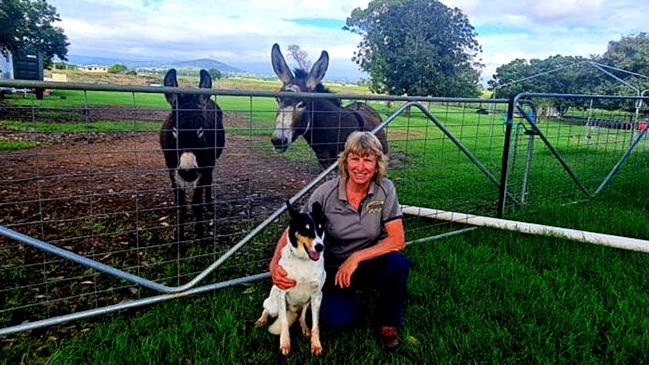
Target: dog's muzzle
[{"x": 315, "y": 255}]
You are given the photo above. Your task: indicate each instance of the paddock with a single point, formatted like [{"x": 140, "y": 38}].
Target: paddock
[{"x": 83, "y": 171}]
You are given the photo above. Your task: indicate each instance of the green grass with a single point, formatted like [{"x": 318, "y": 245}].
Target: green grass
[
  {"x": 16, "y": 145},
  {"x": 98, "y": 126},
  {"x": 483, "y": 297},
  {"x": 77, "y": 99},
  {"x": 488, "y": 296}
]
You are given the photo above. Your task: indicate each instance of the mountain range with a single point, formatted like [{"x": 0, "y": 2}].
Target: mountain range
[
  {"x": 338, "y": 70},
  {"x": 204, "y": 63}
]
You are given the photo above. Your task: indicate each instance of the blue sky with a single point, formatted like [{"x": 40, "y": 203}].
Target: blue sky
[{"x": 241, "y": 33}]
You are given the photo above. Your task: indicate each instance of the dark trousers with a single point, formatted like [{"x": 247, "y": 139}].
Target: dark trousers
[{"x": 388, "y": 274}]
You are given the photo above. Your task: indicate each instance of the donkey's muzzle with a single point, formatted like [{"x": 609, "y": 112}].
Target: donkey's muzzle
[
  {"x": 188, "y": 175},
  {"x": 280, "y": 144}
]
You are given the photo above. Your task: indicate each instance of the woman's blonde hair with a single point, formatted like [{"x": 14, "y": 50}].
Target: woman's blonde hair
[{"x": 363, "y": 144}]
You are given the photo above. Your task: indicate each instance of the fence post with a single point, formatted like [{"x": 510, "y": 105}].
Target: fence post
[{"x": 504, "y": 170}]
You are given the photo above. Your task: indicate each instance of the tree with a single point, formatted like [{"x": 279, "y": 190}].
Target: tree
[
  {"x": 300, "y": 56},
  {"x": 557, "y": 74},
  {"x": 117, "y": 68},
  {"x": 215, "y": 74},
  {"x": 631, "y": 53},
  {"x": 28, "y": 24},
  {"x": 416, "y": 47}
]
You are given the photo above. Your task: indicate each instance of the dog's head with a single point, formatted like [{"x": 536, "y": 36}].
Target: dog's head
[{"x": 306, "y": 232}]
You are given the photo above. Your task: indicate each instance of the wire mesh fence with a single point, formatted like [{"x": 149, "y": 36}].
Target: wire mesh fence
[{"x": 84, "y": 171}]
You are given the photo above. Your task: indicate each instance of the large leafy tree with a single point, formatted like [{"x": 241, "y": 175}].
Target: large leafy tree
[
  {"x": 556, "y": 74},
  {"x": 631, "y": 53},
  {"x": 28, "y": 24},
  {"x": 416, "y": 47}
]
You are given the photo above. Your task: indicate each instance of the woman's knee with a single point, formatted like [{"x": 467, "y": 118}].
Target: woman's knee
[
  {"x": 397, "y": 264},
  {"x": 338, "y": 311}
]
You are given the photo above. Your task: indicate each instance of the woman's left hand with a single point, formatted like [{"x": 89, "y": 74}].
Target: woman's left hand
[{"x": 345, "y": 271}]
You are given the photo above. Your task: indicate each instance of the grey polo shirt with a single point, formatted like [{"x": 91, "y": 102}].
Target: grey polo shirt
[{"x": 347, "y": 229}]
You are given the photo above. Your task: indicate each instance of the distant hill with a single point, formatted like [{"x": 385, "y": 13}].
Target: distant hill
[
  {"x": 205, "y": 63},
  {"x": 339, "y": 70}
]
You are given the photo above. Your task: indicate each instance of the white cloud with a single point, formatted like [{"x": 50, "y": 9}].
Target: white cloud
[
  {"x": 539, "y": 29},
  {"x": 242, "y": 32},
  {"x": 214, "y": 27}
]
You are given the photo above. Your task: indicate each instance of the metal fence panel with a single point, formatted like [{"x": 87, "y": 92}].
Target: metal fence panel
[{"x": 85, "y": 173}]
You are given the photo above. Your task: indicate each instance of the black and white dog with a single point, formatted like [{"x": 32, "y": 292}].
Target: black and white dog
[{"x": 303, "y": 260}]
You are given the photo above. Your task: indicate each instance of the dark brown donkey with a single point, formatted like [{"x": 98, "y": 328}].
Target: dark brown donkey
[
  {"x": 324, "y": 123},
  {"x": 192, "y": 139}
]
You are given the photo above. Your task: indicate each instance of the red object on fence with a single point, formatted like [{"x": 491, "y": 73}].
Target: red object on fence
[{"x": 642, "y": 126}]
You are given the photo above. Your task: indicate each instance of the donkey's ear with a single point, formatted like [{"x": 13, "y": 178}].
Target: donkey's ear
[
  {"x": 318, "y": 70},
  {"x": 206, "y": 80},
  {"x": 204, "y": 83},
  {"x": 279, "y": 65},
  {"x": 170, "y": 80}
]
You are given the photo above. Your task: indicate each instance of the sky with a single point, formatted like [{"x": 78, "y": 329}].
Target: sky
[{"x": 241, "y": 33}]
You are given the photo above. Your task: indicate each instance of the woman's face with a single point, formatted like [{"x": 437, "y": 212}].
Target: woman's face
[{"x": 361, "y": 169}]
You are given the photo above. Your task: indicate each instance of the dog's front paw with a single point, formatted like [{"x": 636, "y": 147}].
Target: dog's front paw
[
  {"x": 316, "y": 349},
  {"x": 285, "y": 347}
]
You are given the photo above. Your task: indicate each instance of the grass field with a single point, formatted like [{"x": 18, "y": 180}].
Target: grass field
[
  {"x": 483, "y": 297},
  {"x": 487, "y": 296}
]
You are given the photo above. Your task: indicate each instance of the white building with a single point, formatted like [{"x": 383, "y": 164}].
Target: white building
[
  {"x": 6, "y": 67},
  {"x": 93, "y": 68}
]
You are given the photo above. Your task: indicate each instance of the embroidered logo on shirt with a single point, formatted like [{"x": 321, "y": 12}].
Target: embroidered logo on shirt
[{"x": 375, "y": 207}]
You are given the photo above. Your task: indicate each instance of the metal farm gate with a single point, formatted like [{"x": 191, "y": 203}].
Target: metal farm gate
[{"x": 87, "y": 213}]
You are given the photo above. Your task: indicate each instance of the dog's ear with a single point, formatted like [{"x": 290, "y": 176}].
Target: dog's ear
[
  {"x": 291, "y": 211},
  {"x": 318, "y": 213}
]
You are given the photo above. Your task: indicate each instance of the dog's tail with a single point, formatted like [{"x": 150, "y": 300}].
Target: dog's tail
[{"x": 290, "y": 316}]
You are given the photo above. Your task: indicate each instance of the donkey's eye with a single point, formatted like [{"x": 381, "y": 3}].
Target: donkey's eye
[
  {"x": 174, "y": 131},
  {"x": 299, "y": 105},
  {"x": 200, "y": 132}
]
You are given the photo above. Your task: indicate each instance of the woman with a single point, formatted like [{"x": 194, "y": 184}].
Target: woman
[{"x": 364, "y": 235}]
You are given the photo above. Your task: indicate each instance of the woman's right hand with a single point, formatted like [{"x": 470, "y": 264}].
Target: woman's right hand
[{"x": 280, "y": 277}]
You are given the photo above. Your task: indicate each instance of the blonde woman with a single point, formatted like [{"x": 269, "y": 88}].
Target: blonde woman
[{"x": 363, "y": 240}]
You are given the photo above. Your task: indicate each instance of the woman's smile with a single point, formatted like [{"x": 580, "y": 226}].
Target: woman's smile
[{"x": 361, "y": 169}]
